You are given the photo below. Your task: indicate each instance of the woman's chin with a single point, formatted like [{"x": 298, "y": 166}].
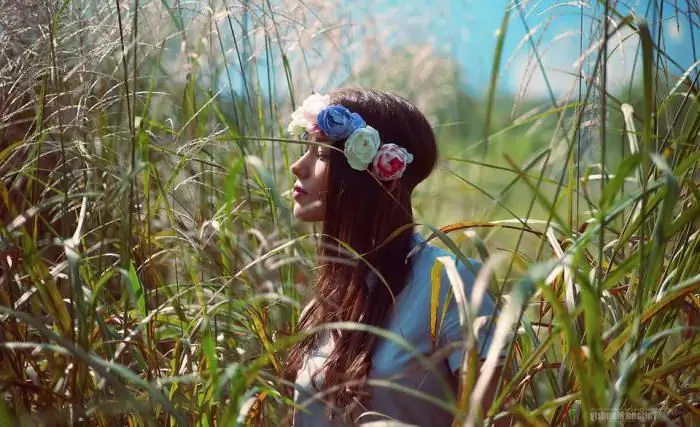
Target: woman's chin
[{"x": 313, "y": 213}]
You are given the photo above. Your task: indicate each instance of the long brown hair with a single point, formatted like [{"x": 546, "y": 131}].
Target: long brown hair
[{"x": 361, "y": 213}]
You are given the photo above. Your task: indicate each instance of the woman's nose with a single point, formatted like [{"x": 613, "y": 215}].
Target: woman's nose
[{"x": 298, "y": 167}]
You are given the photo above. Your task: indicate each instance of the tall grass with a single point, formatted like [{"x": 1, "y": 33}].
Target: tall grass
[{"x": 151, "y": 269}]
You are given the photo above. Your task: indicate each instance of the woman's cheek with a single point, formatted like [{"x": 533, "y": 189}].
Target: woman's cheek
[{"x": 321, "y": 173}]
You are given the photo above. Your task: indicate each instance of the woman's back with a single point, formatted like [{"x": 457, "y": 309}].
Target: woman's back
[{"x": 397, "y": 379}]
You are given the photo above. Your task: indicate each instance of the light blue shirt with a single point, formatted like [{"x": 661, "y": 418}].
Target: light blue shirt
[{"x": 393, "y": 364}]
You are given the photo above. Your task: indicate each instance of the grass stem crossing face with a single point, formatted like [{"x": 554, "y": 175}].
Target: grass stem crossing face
[{"x": 309, "y": 189}]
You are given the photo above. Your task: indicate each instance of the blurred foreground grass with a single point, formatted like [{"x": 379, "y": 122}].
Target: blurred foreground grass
[{"x": 151, "y": 269}]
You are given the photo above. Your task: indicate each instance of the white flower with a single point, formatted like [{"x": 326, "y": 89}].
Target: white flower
[
  {"x": 296, "y": 127},
  {"x": 306, "y": 116},
  {"x": 361, "y": 147}
]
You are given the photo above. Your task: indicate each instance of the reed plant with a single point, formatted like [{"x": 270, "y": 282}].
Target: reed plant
[{"x": 152, "y": 272}]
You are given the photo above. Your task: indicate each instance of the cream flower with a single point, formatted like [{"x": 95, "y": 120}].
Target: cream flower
[
  {"x": 296, "y": 128},
  {"x": 361, "y": 147},
  {"x": 306, "y": 116}
]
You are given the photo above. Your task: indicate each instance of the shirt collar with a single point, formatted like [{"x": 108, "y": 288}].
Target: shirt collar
[{"x": 417, "y": 244}]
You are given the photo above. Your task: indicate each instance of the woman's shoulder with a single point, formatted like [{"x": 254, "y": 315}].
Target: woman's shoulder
[{"x": 425, "y": 255}]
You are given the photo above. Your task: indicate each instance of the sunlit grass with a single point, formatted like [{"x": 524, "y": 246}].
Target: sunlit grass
[{"x": 152, "y": 272}]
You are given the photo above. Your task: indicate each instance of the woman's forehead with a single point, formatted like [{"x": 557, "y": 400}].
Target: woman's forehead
[
  {"x": 317, "y": 142},
  {"x": 317, "y": 146}
]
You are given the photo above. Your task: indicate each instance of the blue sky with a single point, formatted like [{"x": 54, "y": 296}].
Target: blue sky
[{"x": 467, "y": 29}]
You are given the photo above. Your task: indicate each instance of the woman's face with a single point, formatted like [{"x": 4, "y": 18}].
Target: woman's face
[{"x": 310, "y": 187}]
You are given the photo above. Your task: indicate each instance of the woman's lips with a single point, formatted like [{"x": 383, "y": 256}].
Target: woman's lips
[{"x": 298, "y": 192}]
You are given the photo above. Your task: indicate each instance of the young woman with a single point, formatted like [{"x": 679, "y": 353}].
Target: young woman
[{"x": 367, "y": 152}]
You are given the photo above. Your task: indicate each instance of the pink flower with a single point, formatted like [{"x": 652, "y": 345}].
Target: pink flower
[
  {"x": 390, "y": 162},
  {"x": 315, "y": 131}
]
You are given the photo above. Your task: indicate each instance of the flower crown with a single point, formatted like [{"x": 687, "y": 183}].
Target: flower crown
[{"x": 363, "y": 147}]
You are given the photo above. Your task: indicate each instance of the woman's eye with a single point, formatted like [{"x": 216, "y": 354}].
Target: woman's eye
[{"x": 322, "y": 155}]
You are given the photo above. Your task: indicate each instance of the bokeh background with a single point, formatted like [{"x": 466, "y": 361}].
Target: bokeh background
[{"x": 152, "y": 272}]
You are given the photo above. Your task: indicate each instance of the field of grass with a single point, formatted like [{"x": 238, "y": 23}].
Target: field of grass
[{"x": 151, "y": 272}]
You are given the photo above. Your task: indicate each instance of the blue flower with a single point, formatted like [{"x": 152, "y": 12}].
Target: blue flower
[{"x": 337, "y": 122}]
